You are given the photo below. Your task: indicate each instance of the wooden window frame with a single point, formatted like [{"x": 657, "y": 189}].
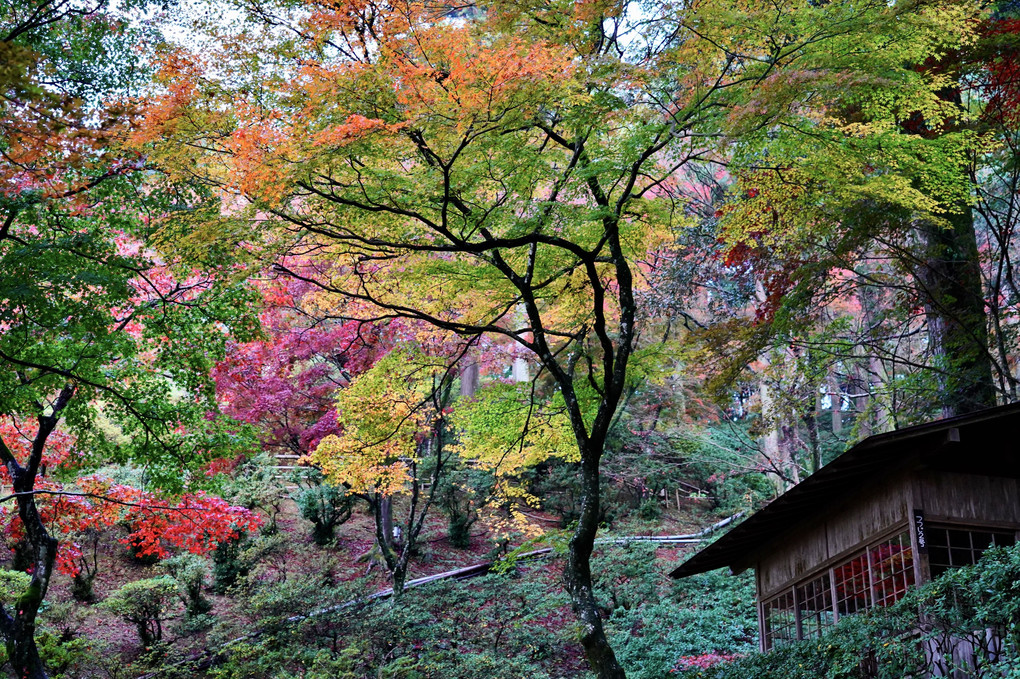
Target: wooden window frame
[
  {"x": 920, "y": 567},
  {"x": 863, "y": 548},
  {"x": 932, "y": 525}
]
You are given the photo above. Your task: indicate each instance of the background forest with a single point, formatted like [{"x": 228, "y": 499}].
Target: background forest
[{"x": 305, "y": 301}]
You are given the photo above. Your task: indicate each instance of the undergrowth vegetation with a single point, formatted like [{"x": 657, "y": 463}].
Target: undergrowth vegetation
[{"x": 965, "y": 623}]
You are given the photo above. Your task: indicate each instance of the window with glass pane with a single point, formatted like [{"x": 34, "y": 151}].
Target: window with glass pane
[
  {"x": 853, "y": 585},
  {"x": 955, "y": 547},
  {"x": 892, "y": 569},
  {"x": 780, "y": 621},
  {"x": 814, "y": 604},
  {"x": 877, "y": 576}
]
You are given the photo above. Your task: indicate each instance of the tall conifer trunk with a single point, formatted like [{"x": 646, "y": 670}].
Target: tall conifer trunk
[
  {"x": 949, "y": 272},
  {"x": 950, "y": 276}
]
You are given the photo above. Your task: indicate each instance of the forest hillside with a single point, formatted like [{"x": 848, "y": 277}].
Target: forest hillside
[{"x": 361, "y": 338}]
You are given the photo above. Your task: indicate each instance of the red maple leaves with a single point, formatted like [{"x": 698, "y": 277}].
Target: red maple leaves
[{"x": 195, "y": 522}]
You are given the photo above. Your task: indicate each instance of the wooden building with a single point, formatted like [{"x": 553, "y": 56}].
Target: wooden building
[{"x": 894, "y": 510}]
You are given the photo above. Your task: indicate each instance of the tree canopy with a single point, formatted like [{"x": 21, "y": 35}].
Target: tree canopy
[{"x": 301, "y": 233}]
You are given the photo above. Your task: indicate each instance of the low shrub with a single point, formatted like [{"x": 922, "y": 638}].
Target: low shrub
[
  {"x": 189, "y": 572},
  {"x": 325, "y": 505},
  {"x": 146, "y": 603}
]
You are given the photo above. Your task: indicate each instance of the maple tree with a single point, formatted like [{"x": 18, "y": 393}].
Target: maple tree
[
  {"x": 105, "y": 359},
  {"x": 59, "y": 61},
  {"x": 285, "y": 381},
  {"x": 393, "y": 443},
  {"x": 511, "y": 172},
  {"x": 105, "y": 347}
]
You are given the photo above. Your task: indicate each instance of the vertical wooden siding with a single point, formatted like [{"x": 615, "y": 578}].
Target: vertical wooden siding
[
  {"x": 968, "y": 498},
  {"x": 833, "y": 533}
]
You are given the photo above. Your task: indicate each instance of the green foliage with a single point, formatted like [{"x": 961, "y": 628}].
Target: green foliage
[
  {"x": 71, "y": 657},
  {"x": 145, "y": 603},
  {"x": 189, "y": 572},
  {"x": 502, "y": 425},
  {"x": 654, "y": 620},
  {"x": 558, "y": 484},
  {"x": 13, "y": 584},
  {"x": 88, "y": 564},
  {"x": 254, "y": 485},
  {"x": 956, "y": 610},
  {"x": 236, "y": 560},
  {"x": 725, "y": 455},
  {"x": 229, "y": 563},
  {"x": 79, "y": 334},
  {"x": 459, "y": 531},
  {"x": 324, "y": 504},
  {"x": 650, "y": 510},
  {"x": 291, "y": 642},
  {"x": 459, "y": 488},
  {"x": 251, "y": 660},
  {"x": 82, "y": 584},
  {"x": 491, "y": 627},
  {"x": 67, "y": 656},
  {"x": 469, "y": 665},
  {"x": 227, "y": 566}
]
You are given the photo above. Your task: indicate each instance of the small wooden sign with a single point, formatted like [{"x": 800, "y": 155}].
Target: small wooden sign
[{"x": 919, "y": 529}]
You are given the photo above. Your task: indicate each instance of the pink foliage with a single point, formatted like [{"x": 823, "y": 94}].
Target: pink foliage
[
  {"x": 701, "y": 662},
  {"x": 286, "y": 382}
]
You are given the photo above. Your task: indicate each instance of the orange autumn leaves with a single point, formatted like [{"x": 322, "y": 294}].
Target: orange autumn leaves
[
  {"x": 458, "y": 77},
  {"x": 445, "y": 80}
]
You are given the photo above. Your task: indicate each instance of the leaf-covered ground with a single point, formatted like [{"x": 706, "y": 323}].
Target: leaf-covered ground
[{"x": 452, "y": 628}]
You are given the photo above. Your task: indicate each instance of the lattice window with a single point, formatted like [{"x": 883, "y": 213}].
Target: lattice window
[
  {"x": 853, "y": 585},
  {"x": 955, "y": 547},
  {"x": 892, "y": 569},
  {"x": 877, "y": 576},
  {"x": 814, "y": 606},
  {"x": 780, "y": 620}
]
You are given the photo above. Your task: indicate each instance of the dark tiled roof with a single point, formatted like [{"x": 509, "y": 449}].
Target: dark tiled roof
[{"x": 987, "y": 441}]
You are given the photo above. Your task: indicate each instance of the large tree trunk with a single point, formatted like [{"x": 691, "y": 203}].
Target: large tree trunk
[
  {"x": 18, "y": 627},
  {"x": 950, "y": 276},
  {"x": 949, "y": 272},
  {"x": 20, "y": 637},
  {"x": 577, "y": 574}
]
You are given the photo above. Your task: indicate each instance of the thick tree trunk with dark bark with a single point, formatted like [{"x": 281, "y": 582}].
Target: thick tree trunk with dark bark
[
  {"x": 577, "y": 574},
  {"x": 18, "y": 626},
  {"x": 955, "y": 307},
  {"x": 20, "y": 630}
]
